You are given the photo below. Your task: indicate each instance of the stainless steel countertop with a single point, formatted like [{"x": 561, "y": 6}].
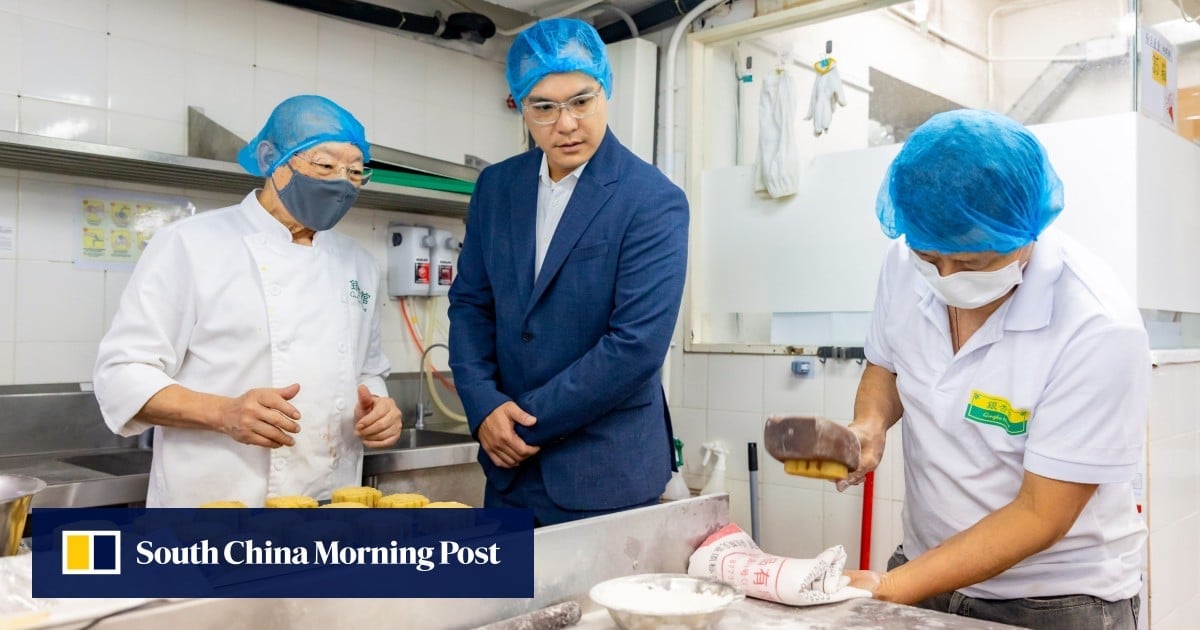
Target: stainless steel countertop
[{"x": 70, "y": 485}]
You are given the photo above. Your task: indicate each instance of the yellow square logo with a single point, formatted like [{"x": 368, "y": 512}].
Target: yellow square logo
[{"x": 91, "y": 552}]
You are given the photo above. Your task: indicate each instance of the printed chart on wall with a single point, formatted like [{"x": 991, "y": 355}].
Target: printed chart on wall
[{"x": 114, "y": 225}]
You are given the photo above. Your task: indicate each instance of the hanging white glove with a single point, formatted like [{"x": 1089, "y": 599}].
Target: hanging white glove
[
  {"x": 731, "y": 556},
  {"x": 827, "y": 93},
  {"x": 778, "y": 168}
]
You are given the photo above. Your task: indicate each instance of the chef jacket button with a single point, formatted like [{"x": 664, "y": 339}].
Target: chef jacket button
[
  {"x": 526, "y": 336},
  {"x": 342, "y": 348},
  {"x": 279, "y": 464},
  {"x": 283, "y": 344},
  {"x": 275, "y": 290},
  {"x": 339, "y": 404}
]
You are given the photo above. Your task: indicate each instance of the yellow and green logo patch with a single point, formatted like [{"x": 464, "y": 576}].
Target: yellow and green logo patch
[{"x": 988, "y": 409}]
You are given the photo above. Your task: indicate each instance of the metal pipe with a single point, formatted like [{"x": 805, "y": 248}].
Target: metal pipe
[
  {"x": 420, "y": 424},
  {"x": 669, "y": 103}
]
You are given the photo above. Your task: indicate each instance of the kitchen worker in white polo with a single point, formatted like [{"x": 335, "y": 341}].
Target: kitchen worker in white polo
[
  {"x": 250, "y": 335},
  {"x": 1020, "y": 371}
]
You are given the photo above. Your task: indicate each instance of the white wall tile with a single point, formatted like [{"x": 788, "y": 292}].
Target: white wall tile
[
  {"x": 739, "y": 507},
  {"x": 841, "y": 521},
  {"x": 56, "y": 302},
  {"x": 791, "y": 522},
  {"x": 357, "y": 100},
  {"x": 695, "y": 380},
  {"x": 162, "y": 22},
  {"x": 114, "y": 285},
  {"x": 391, "y": 324},
  {"x": 690, "y": 426},
  {"x": 286, "y": 39},
  {"x": 272, "y": 87},
  {"x": 397, "y": 352},
  {"x": 345, "y": 53},
  {"x": 884, "y": 537},
  {"x": 400, "y": 124},
  {"x": 143, "y": 132},
  {"x": 785, "y": 393},
  {"x": 9, "y": 106},
  {"x": 399, "y": 69},
  {"x": 734, "y": 430},
  {"x": 1162, "y": 392},
  {"x": 54, "y": 362},
  {"x": 8, "y": 212},
  {"x": 146, "y": 79},
  {"x": 449, "y": 131},
  {"x": 10, "y": 6},
  {"x": 46, "y": 220},
  {"x": 735, "y": 382},
  {"x": 445, "y": 83},
  {"x": 221, "y": 89},
  {"x": 222, "y": 29},
  {"x": 8, "y": 307},
  {"x": 497, "y": 137},
  {"x": 841, "y": 386},
  {"x": 7, "y": 350},
  {"x": 490, "y": 88},
  {"x": 359, "y": 225},
  {"x": 1186, "y": 399},
  {"x": 10, "y": 53},
  {"x": 63, "y": 63},
  {"x": 86, "y": 14},
  {"x": 61, "y": 120}
]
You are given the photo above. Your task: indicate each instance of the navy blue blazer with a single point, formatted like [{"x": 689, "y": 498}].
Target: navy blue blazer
[{"x": 580, "y": 349}]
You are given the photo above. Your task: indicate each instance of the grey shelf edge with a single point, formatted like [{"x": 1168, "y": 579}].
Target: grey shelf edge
[{"x": 28, "y": 152}]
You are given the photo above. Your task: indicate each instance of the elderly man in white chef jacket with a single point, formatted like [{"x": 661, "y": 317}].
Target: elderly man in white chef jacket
[{"x": 249, "y": 336}]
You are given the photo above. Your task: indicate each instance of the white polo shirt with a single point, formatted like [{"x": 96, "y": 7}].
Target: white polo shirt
[{"x": 1056, "y": 382}]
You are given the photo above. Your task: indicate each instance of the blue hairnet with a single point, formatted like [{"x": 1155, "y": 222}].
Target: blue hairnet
[
  {"x": 969, "y": 181},
  {"x": 297, "y": 124},
  {"x": 554, "y": 46}
]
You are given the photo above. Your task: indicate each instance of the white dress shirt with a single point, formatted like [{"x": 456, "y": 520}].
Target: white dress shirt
[{"x": 552, "y": 200}]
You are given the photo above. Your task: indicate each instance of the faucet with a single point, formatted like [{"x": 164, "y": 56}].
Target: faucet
[{"x": 421, "y": 389}]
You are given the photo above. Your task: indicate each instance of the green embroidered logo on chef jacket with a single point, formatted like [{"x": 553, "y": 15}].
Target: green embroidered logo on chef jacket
[
  {"x": 989, "y": 409},
  {"x": 358, "y": 295}
]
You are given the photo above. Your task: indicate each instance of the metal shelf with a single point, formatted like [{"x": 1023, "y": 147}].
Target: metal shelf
[{"x": 71, "y": 157}]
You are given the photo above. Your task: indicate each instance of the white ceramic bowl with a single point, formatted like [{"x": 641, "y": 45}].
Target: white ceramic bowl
[{"x": 665, "y": 601}]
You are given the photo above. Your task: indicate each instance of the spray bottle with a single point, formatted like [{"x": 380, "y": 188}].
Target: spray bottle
[
  {"x": 716, "y": 479},
  {"x": 677, "y": 488}
]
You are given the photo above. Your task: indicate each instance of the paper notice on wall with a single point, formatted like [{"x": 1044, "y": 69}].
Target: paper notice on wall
[
  {"x": 114, "y": 226},
  {"x": 1157, "y": 58},
  {"x": 8, "y": 234}
]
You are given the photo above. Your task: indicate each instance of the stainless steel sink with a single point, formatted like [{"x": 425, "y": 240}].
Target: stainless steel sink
[
  {"x": 123, "y": 463},
  {"x": 421, "y": 438}
]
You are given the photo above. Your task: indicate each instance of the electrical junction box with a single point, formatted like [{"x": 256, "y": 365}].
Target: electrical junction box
[
  {"x": 445, "y": 259},
  {"x": 409, "y": 267}
]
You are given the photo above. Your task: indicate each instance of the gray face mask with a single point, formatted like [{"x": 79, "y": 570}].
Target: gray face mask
[{"x": 318, "y": 204}]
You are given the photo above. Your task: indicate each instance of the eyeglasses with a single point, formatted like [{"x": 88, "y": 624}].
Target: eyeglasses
[
  {"x": 324, "y": 170},
  {"x": 547, "y": 112}
]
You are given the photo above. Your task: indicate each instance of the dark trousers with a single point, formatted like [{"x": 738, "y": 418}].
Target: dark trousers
[
  {"x": 1065, "y": 612},
  {"x": 529, "y": 492}
]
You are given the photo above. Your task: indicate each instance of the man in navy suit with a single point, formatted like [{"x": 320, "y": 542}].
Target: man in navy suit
[{"x": 568, "y": 289}]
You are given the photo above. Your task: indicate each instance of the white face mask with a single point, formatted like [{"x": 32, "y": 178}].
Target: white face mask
[{"x": 969, "y": 289}]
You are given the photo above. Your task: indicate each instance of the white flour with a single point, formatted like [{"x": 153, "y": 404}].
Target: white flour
[{"x": 655, "y": 600}]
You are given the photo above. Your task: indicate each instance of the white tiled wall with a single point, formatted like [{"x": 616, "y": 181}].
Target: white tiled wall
[
  {"x": 123, "y": 72},
  {"x": 727, "y": 398},
  {"x": 1174, "y": 496}
]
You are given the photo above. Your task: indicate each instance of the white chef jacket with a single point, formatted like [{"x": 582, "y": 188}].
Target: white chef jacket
[
  {"x": 1056, "y": 382},
  {"x": 222, "y": 303}
]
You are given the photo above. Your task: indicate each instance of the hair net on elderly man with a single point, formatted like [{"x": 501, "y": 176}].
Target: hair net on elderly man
[
  {"x": 969, "y": 181},
  {"x": 556, "y": 46},
  {"x": 299, "y": 123}
]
